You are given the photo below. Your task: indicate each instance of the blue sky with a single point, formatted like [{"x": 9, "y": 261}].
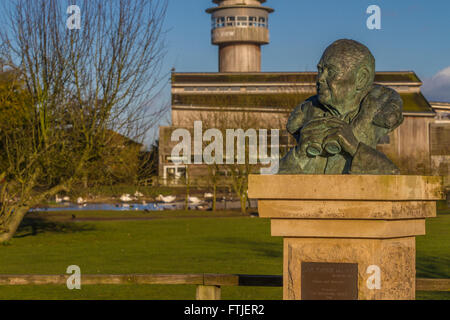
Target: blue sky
[{"x": 414, "y": 35}]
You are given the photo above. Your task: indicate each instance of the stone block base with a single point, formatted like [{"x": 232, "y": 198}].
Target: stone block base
[{"x": 395, "y": 259}]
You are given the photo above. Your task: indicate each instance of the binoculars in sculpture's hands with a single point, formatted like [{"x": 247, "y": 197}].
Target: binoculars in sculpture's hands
[{"x": 331, "y": 147}]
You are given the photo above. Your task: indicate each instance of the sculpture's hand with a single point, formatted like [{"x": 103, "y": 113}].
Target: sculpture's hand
[
  {"x": 312, "y": 135},
  {"x": 341, "y": 132}
]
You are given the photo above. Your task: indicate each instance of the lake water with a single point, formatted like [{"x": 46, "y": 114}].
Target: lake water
[
  {"x": 153, "y": 206},
  {"x": 115, "y": 207}
]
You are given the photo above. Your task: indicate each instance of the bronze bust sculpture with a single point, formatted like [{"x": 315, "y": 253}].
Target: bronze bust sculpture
[{"x": 338, "y": 129}]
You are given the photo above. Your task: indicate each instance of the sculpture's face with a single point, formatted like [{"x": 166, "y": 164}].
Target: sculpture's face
[{"x": 336, "y": 84}]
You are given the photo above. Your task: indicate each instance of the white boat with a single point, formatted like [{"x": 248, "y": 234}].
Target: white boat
[
  {"x": 208, "y": 195},
  {"x": 58, "y": 199}
]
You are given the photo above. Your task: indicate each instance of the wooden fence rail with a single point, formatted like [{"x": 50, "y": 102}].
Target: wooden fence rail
[{"x": 208, "y": 285}]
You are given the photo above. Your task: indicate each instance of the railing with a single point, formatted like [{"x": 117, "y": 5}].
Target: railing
[{"x": 208, "y": 285}]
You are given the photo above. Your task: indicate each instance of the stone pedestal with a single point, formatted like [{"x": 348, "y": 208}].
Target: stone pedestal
[{"x": 347, "y": 236}]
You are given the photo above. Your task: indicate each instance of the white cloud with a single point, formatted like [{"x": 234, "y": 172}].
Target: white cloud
[{"x": 437, "y": 88}]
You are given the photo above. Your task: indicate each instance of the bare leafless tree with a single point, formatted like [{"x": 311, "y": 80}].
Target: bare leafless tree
[
  {"x": 222, "y": 118},
  {"x": 83, "y": 86}
]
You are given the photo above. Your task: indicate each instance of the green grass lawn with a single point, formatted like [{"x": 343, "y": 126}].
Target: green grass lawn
[{"x": 176, "y": 245}]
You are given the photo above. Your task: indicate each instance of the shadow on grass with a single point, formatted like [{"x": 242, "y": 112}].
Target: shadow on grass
[
  {"x": 267, "y": 249},
  {"x": 32, "y": 226},
  {"x": 443, "y": 212},
  {"x": 433, "y": 267}
]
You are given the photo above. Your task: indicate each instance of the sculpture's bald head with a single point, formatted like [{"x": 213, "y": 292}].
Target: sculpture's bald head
[{"x": 346, "y": 73}]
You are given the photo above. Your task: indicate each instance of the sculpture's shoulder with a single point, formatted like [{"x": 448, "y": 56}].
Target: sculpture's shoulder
[
  {"x": 305, "y": 111},
  {"x": 386, "y": 106},
  {"x": 379, "y": 114}
]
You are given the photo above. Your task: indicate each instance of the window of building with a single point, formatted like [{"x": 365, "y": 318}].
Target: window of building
[
  {"x": 235, "y": 88},
  {"x": 218, "y": 22},
  {"x": 443, "y": 116},
  {"x": 221, "y": 22},
  {"x": 170, "y": 172},
  {"x": 284, "y": 140},
  {"x": 242, "y": 21},
  {"x": 222, "y": 173},
  {"x": 252, "y": 21},
  {"x": 251, "y": 88},
  {"x": 181, "y": 171},
  {"x": 262, "y": 22},
  {"x": 238, "y": 21},
  {"x": 174, "y": 172},
  {"x": 384, "y": 140},
  {"x": 231, "y": 21}
]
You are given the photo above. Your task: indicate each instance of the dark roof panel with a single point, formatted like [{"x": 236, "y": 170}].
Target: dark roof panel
[
  {"x": 415, "y": 102},
  {"x": 240, "y": 100},
  {"x": 412, "y": 102},
  {"x": 402, "y": 76},
  {"x": 304, "y": 77}
]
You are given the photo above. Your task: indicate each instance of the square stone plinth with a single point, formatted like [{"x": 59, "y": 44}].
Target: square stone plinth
[
  {"x": 394, "y": 258},
  {"x": 353, "y": 235},
  {"x": 345, "y": 187}
]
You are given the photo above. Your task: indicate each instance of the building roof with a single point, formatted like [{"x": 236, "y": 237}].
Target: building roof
[
  {"x": 440, "y": 106},
  {"x": 122, "y": 139},
  {"x": 282, "y": 77},
  {"x": 283, "y": 100},
  {"x": 413, "y": 101}
]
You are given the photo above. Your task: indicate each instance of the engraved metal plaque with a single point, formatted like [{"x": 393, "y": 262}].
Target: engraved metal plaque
[{"x": 329, "y": 281}]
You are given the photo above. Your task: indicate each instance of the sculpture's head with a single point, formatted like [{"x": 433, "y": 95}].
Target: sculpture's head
[{"x": 346, "y": 73}]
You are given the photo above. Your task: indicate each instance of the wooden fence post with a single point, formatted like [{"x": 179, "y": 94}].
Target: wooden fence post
[{"x": 208, "y": 292}]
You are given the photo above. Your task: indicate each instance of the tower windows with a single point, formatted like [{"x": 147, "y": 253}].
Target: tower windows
[
  {"x": 238, "y": 21},
  {"x": 262, "y": 22},
  {"x": 220, "y": 22},
  {"x": 241, "y": 21},
  {"x": 231, "y": 21}
]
